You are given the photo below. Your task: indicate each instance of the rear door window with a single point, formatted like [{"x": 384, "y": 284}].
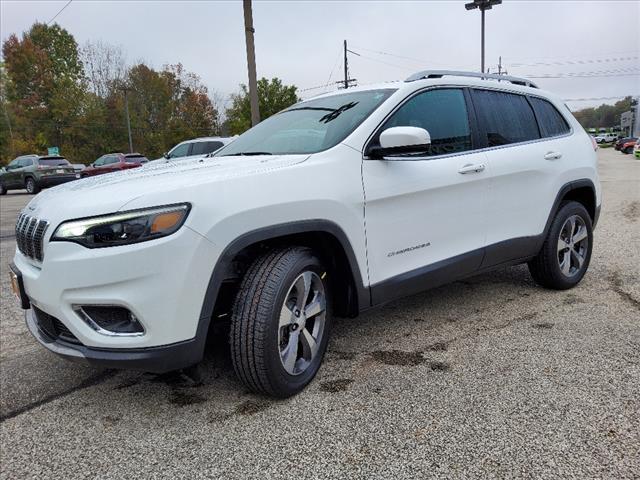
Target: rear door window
[
  {"x": 202, "y": 148},
  {"x": 26, "y": 162},
  {"x": 504, "y": 118},
  {"x": 111, "y": 159},
  {"x": 443, "y": 113},
  {"x": 551, "y": 122}
]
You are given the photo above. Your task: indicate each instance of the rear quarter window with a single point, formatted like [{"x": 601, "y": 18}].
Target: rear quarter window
[{"x": 551, "y": 122}]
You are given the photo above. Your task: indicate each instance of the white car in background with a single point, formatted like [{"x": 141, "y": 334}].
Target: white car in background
[{"x": 196, "y": 148}]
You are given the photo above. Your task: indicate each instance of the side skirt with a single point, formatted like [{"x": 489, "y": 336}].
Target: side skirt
[{"x": 509, "y": 252}]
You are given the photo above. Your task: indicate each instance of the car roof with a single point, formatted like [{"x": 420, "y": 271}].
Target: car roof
[{"x": 208, "y": 139}]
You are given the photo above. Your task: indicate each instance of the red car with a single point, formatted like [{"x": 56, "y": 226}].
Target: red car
[
  {"x": 114, "y": 162},
  {"x": 627, "y": 147}
]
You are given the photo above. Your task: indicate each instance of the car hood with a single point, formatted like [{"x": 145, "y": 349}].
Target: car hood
[{"x": 111, "y": 192}]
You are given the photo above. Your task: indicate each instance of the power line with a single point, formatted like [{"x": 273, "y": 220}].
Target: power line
[
  {"x": 575, "y": 62},
  {"x": 59, "y": 12},
  {"x": 595, "y": 98},
  {"x": 584, "y": 76}
]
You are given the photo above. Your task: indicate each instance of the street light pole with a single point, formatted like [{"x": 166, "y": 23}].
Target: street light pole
[{"x": 483, "y": 5}]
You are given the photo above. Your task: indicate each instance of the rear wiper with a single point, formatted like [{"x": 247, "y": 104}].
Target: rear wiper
[{"x": 242, "y": 154}]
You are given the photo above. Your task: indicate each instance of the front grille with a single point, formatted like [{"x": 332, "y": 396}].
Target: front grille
[
  {"x": 54, "y": 327},
  {"x": 29, "y": 236}
]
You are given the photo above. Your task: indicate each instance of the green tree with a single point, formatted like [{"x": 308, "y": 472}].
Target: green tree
[{"x": 273, "y": 97}]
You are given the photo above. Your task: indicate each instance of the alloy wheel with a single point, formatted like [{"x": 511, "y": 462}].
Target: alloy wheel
[
  {"x": 301, "y": 323},
  {"x": 573, "y": 245}
]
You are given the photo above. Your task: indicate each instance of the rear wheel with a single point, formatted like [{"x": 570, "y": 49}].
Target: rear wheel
[
  {"x": 566, "y": 252},
  {"x": 31, "y": 186},
  {"x": 627, "y": 150},
  {"x": 281, "y": 322}
]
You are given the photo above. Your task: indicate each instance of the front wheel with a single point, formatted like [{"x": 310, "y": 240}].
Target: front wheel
[
  {"x": 3, "y": 189},
  {"x": 31, "y": 186},
  {"x": 281, "y": 322},
  {"x": 566, "y": 252}
]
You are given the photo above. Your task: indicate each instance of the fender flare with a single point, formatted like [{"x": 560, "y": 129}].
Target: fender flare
[
  {"x": 223, "y": 263},
  {"x": 566, "y": 188}
]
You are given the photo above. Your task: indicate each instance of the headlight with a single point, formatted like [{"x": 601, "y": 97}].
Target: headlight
[{"x": 123, "y": 228}]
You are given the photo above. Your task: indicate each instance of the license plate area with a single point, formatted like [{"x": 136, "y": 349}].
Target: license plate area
[{"x": 17, "y": 287}]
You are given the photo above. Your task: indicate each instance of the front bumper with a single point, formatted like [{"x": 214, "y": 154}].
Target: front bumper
[
  {"x": 162, "y": 282},
  {"x": 154, "y": 359},
  {"x": 53, "y": 180}
]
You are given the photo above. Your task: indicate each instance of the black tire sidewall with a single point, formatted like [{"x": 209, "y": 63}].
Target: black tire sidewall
[
  {"x": 566, "y": 211},
  {"x": 31, "y": 181},
  {"x": 283, "y": 383}
]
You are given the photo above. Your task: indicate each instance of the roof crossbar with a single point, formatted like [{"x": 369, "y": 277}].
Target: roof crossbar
[{"x": 452, "y": 73}]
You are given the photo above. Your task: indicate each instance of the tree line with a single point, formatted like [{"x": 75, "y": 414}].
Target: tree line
[
  {"x": 604, "y": 116},
  {"x": 54, "y": 93}
]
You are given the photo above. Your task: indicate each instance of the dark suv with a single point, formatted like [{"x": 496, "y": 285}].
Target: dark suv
[
  {"x": 35, "y": 172},
  {"x": 114, "y": 162}
]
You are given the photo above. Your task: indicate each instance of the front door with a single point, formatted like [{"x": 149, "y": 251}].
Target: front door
[{"x": 425, "y": 216}]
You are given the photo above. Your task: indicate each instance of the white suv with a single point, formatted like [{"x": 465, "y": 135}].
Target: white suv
[
  {"x": 196, "y": 148},
  {"x": 338, "y": 204}
]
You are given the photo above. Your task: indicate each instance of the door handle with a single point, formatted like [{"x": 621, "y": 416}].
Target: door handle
[
  {"x": 553, "y": 156},
  {"x": 470, "y": 168}
]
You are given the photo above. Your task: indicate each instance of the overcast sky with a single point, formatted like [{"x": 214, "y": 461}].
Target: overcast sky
[{"x": 301, "y": 42}]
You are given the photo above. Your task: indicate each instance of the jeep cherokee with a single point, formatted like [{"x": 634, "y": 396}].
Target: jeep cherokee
[{"x": 335, "y": 205}]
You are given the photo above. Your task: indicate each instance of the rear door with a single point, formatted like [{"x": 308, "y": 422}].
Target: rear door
[
  {"x": 426, "y": 215},
  {"x": 525, "y": 171}
]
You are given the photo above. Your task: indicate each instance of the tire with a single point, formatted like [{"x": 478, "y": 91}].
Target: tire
[
  {"x": 3, "y": 190},
  {"x": 566, "y": 252},
  {"x": 627, "y": 150},
  {"x": 31, "y": 186},
  {"x": 270, "y": 338}
]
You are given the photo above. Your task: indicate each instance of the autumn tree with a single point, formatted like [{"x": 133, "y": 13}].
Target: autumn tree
[
  {"x": 273, "y": 97},
  {"x": 45, "y": 85}
]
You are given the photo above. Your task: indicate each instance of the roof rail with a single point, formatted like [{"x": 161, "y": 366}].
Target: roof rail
[{"x": 452, "y": 73}]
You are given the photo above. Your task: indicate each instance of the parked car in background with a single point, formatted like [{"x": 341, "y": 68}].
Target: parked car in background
[
  {"x": 636, "y": 149},
  {"x": 621, "y": 141},
  {"x": 606, "y": 137},
  {"x": 35, "y": 172},
  {"x": 196, "y": 148},
  {"x": 114, "y": 162},
  {"x": 627, "y": 147}
]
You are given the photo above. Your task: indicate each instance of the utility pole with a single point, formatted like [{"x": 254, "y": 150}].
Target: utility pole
[
  {"x": 500, "y": 65},
  {"x": 251, "y": 62},
  {"x": 347, "y": 81},
  {"x": 483, "y": 5},
  {"x": 126, "y": 107}
]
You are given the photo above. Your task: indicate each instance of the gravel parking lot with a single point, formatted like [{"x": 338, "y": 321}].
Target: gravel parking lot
[{"x": 488, "y": 377}]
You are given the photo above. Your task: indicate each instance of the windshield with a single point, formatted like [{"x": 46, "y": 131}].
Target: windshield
[
  {"x": 53, "y": 162},
  {"x": 308, "y": 127}
]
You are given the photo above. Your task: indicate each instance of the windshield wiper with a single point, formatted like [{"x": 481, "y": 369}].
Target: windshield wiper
[{"x": 247, "y": 154}]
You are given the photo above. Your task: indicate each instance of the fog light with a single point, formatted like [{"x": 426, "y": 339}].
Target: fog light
[{"x": 110, "y": 320}]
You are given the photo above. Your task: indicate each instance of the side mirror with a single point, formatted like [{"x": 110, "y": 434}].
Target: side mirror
[
  {"x": 166, "y": 155},
  {"x": 399, "y": 140}
]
